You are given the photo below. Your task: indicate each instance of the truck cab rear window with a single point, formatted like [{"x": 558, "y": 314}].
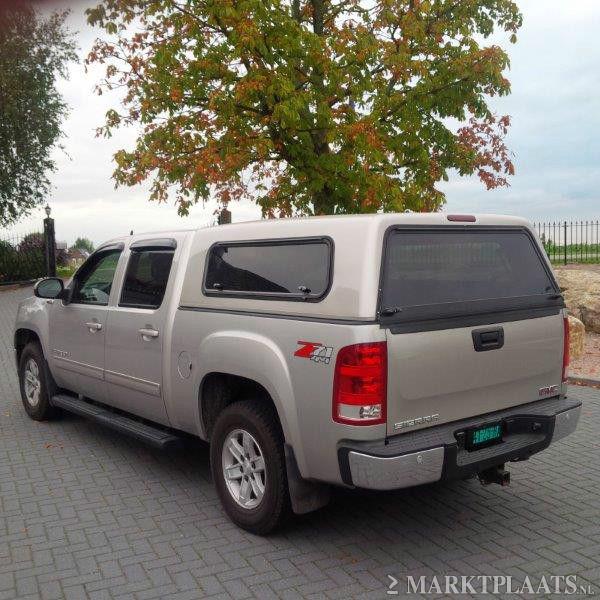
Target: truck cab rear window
[
  {"x": 146, "y": 278},
  {"x": 458, "y": 269},
  {"x": 289, "y": 270}
]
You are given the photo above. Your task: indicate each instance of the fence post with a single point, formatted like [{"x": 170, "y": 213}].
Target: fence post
[
  {"x": 49, "y": 247},
  {"x": 224, "y": 217},
  {"x": 565, "y": 242}
]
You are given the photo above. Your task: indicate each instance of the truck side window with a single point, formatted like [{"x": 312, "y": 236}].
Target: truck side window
[
  {"x": 94, "y": 281},
  {"x": 146, "y": 278},
  {"x": 298, "y": 269}
]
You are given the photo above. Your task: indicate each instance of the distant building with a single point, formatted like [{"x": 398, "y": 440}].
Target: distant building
[{"x": 76, "y": 257}]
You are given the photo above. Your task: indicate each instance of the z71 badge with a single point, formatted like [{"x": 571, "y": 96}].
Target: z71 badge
[{"x": 315, "y": 351}]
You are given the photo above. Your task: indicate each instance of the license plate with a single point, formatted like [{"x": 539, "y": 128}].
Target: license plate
[{"x": 486, "y": 435}]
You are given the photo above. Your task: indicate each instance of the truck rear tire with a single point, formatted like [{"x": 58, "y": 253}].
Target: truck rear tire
[
  {"x": 36, "y": 383},
  {"x": 248, "y": 466}
]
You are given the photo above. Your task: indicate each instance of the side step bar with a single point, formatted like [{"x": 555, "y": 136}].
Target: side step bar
[{"x": 141, "y": 431}]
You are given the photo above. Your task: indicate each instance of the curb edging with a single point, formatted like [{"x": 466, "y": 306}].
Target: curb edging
[
  {"x": 587, "y": 381},
  {"x": 9, "y": 287}
]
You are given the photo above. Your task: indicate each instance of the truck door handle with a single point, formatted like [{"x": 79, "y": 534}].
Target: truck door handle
[
  {"x": 93, "y": 326},
  {"x": 488, "y": 339},
  {"x": 148, "y": 333}
]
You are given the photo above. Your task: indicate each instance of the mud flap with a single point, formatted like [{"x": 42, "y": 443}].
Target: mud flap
[{"x": 305, "y": 495}]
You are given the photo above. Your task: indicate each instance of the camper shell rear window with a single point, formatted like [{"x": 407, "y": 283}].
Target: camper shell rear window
[{"x": 433, "y": 273}]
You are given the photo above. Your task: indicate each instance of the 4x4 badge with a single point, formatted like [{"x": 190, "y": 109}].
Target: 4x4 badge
[{"x": 314, "y": 351}]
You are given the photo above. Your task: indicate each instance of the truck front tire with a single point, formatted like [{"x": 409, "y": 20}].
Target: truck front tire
[
  {"x": 36, "y": 383},
  {"x": 248, "y": 466}
]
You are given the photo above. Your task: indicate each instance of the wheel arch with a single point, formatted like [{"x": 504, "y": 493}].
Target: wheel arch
[
  {"x": 32, "y": 322},
  {"x": 24, "y": 336},
  {"x": 219, "y": 389},
  {"x": 234, "y": 363}
]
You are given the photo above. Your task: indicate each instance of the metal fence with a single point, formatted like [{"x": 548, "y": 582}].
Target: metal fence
[
  {"x": 22, "y": 258},
  {"x": 571, "y": 241}
]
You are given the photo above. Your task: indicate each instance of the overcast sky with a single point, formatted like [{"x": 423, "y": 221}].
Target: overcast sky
[{"x": 555, "y": 77}]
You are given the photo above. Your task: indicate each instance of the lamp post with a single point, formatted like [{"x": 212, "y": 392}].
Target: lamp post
[{"x": 49, "y": 243}]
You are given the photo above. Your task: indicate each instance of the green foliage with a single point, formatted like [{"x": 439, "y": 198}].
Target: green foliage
[
  {"x": 33, "y": 52},
  {"x": 82, "y": 243},
  {"x": 8, "y": 256},
  {"x": 574, "y": 253},
  {"x": 65, "y": 271},
  {"x": 307, "y": 106},
  {"x": 6, "y": 247},
  {"x": 32, "y": 241}
]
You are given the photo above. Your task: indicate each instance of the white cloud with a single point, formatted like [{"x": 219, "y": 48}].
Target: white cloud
[{"x": 555, "y": 121}]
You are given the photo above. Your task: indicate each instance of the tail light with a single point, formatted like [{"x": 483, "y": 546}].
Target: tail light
[
  {"x": 566, "y": 346},
  {"x": 360, "y": 384}
]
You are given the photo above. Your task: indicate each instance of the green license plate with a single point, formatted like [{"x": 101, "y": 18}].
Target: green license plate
[{"x": 486, "y": 435}]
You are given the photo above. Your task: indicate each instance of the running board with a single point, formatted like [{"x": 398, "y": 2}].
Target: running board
[{"x": 141, "y": 431}]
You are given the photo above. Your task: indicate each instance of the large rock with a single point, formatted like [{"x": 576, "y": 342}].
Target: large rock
[
  {"x": 582, "y": 295},
  {"x": 577, "y": 338}
]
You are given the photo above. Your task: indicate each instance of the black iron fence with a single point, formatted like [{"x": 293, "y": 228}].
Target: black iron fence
[
  {"x": 28, "y": 257},
  {"x": 22, "y": 258},
  {"x": 571, "y": 241}
]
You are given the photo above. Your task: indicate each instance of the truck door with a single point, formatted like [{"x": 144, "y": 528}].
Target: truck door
[
  {"x": 135, "y": 332},
  {"x": 78, "y": 329}
]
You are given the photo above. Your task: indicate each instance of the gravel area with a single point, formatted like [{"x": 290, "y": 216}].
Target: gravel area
[
  {"x": 589, "y": 364},
  {"x": 578, "y": 267}
]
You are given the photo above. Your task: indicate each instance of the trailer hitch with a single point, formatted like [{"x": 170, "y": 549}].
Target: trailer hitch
[{"x": 497, "y": 474}]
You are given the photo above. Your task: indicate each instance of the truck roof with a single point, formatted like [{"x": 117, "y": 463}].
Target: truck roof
[
  {"x": 437, "y": 218},
  {"x": 433, "y": 218}
]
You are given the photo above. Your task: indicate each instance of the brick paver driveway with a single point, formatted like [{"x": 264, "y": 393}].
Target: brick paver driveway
[{"x": 85, "y": 512}]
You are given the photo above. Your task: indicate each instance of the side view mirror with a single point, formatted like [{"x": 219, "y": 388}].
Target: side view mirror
[{"x": 50, "y": 288}]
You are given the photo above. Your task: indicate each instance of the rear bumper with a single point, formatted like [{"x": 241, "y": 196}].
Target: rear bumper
[{"x": 436, "y": 453}]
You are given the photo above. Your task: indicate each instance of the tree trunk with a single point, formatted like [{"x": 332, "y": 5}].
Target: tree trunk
[
  {"x": 318, "y": 16},
  {"x": 296, "y": 10},
  {"x": 323, "y": 201}
]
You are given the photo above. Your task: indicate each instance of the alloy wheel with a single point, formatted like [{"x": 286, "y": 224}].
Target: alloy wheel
[
  {"x": 243, "y": 466},
  {"x": 32, "y": 382}
]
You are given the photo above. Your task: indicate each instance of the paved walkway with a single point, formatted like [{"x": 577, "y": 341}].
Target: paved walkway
[{"x": 87, "y": 513}]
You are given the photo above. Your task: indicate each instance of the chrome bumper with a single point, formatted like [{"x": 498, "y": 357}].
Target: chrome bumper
[
  {"x": 565, "y": 423},
  {"x": 409, "y": 470},
  {"x": 536, "y": 429}
]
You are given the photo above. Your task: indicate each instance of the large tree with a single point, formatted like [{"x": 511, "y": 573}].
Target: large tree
[
  {"x": 82, "y": 243},
  {"x": 307, "y": 106},
  {"x": 34, "y": 52}
]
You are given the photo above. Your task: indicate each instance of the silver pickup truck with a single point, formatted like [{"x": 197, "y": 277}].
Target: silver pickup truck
[{"x": 375, "y": 351}]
